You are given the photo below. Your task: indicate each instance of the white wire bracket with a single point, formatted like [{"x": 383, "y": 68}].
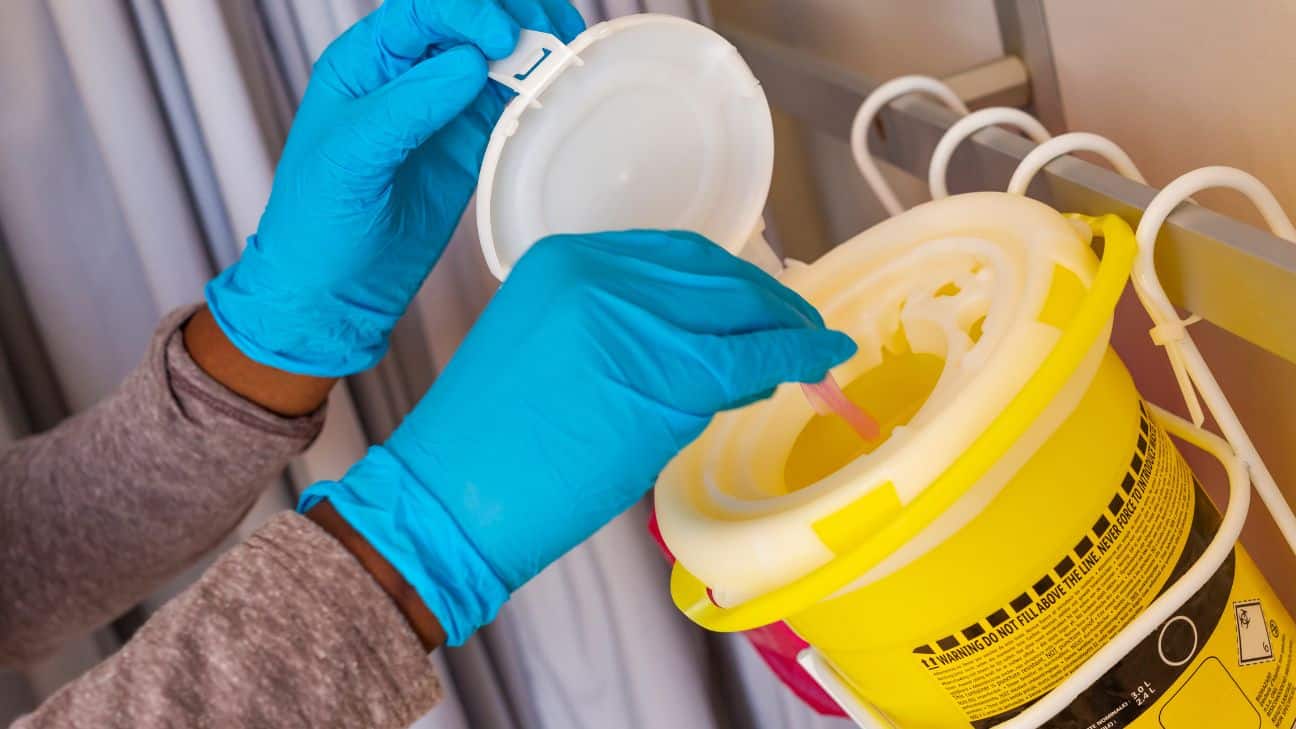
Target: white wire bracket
[
  {"x": 1162, "y": 334},
  {"x": 1068, "y": 143},
  {"x": 1162, "y": 609},
  {"x": 874, "y": 103},
  {"x": 1065, "y": 144},
  {"x": 969, "y": 125},
  {"x": 1194, "y": 375},
  {"x": 1235, "y": 451}
]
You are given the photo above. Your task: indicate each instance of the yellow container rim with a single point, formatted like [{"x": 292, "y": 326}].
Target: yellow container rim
[{"x": 1089, "y": 322}]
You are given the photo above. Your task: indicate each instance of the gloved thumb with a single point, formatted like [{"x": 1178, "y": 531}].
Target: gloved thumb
[
  {"x": 757, "y": 362},
  {"x": 402, "y": 115}
]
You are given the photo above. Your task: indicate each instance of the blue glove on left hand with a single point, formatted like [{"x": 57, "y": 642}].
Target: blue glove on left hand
[
  {"x": 381, "y": 160},
  {"x": 599, "y": 359}
]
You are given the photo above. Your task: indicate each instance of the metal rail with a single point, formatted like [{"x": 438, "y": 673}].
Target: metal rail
[{"x": 1239, "y": 277}]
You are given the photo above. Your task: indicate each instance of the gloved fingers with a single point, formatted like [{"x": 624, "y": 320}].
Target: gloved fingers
[
  {"x": 713, "y": 304},
  {"x": 757, "y": 397},
  {"x": 747, "y": 367},
  {"x": 452, "y": 161},
  {"x": 565, "y": 17},
  {"x": 530, "y": 14},
  {"x": 754, "y": 276},
  {"x": 413, "y": 25},
  {"x": 472, "y": 132},
  {"x": 401, "y": 116},
  {"x": 557, "y": 17},
  {"x": 686, "y": 251},
  {"x": 392, "y": 39}
]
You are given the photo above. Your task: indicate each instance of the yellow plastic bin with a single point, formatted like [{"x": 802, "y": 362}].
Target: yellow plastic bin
[{"x": 1022, "y": 506}]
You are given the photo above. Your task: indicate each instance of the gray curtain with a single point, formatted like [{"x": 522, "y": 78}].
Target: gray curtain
[{"x": 137, "y": 143}]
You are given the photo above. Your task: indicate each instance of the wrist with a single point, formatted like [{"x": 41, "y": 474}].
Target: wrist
[
  {"x": 310, "y": 328},
  {"x": 281, "y": 392},
  {"x": 421, "y": 620},
  {"x": 414, "y": 534}
]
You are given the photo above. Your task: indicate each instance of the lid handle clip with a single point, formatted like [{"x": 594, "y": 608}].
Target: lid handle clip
[{"x": 534, "y": 63}]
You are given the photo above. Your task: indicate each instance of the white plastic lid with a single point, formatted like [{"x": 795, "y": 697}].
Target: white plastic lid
[{"x": 646, "y": 121}]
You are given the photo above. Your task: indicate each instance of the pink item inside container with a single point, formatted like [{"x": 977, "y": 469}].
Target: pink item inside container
[{"x": 826, "y": 397}]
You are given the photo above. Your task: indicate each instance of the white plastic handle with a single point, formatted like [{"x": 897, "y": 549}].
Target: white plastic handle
[
  {"x": 1064, "y": 144},
  {"x": 1190, "y": 367},
  {"x": 878, "y": 100},
  {"x": 533, "y": 64},
  {"x": 969, "y": 125}
]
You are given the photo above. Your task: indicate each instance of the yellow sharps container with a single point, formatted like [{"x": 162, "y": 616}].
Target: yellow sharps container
[{"x": 1022, "y": 506}]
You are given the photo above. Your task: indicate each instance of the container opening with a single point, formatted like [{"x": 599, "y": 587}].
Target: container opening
[{"x": 893, "y": 392}]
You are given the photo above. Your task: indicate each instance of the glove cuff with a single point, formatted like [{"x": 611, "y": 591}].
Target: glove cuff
[
  {"x": 418, "y": 537},
  {"x": 298, "y": 332}
]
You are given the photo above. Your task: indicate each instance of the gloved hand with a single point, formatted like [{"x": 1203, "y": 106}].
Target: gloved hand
[
  {"x": 598, "y": 360},
  {"x": 379, "y": 164}
]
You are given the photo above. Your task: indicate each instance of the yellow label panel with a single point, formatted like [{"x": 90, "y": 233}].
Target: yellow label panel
[{"x": 1114, "y": 571}]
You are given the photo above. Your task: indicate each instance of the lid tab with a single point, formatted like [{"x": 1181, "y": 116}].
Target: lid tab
[{"x": 533, "y": 65}]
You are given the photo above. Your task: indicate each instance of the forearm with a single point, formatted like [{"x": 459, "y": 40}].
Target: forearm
[
  {"x": 99, "y": 511},
  {"x": 293, "y": 395},
  {"x": 287, "y": 629}
]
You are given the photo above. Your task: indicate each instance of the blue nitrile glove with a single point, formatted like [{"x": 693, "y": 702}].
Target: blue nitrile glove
[
  {"x": 381, "y": 160},
  {"x": 599, "y": 359}
]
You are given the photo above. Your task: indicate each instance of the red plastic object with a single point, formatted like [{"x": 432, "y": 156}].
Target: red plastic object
[{"x": 777, "y": 645}]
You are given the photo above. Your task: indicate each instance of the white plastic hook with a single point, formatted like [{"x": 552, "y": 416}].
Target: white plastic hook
[
  {"x": 1064, "y": 144},
  {"x": 878, "y": 100},
  {"x": 969, "y": 125},
  {"x": 1195, "y": 377}
]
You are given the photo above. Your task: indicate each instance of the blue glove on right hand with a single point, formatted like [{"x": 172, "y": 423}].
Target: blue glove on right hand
[{"x": 599, "y": 359}]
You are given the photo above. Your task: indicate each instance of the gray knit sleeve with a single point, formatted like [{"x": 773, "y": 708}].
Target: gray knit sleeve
[
  {"x": 101, "y": 510},
  {"x": 285, "y": 630}
]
